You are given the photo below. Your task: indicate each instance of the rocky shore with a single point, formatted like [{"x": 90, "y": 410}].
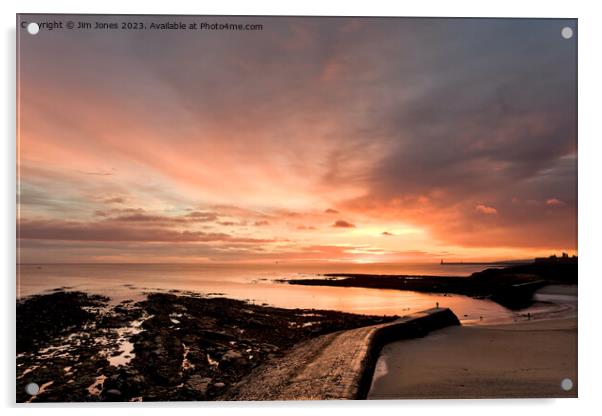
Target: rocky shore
[{"x": 170, "y": 346}]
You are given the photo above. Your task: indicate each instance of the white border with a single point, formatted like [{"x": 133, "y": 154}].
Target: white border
[{"x": 590, "y": 200}]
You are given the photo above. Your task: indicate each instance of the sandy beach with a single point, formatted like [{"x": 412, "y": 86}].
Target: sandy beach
[{"x": 525, "y": 359}]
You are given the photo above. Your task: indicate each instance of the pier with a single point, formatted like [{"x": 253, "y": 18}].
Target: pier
[{"x": 337, "y": 366}]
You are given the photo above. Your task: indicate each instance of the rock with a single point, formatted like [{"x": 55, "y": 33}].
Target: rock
[
  {"x": 129, "y": 383},
  {"x": 232, "y": 359},
  {"x": 214, "y": 337},
  {"x": 167, "y": 375},
  {"x": 113, "y": 395},
  {"x": 137, "y": 380},
  {"x": 198, "y": 384},
  {"x": 232, "y": 355}
]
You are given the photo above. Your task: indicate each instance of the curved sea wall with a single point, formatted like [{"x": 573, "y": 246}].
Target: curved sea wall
[{"x": 335, "y": 366}]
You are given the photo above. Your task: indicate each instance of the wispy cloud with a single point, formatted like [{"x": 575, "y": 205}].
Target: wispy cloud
[
  {"x": 111, "y": 231},
  {"x": 554, "y": 201},
  {"x": 484, "y": 209}
]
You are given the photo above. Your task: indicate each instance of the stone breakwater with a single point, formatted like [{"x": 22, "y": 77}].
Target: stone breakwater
[{"x": 334, "y": 366}]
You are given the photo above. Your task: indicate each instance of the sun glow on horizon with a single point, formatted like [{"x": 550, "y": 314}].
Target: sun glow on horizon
[{"x": 291, "y": 147}]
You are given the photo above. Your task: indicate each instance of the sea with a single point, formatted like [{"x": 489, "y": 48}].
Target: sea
[{"x": 263, "y": 284}]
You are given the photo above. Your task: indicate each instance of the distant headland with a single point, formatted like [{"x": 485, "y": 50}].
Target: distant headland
[{"x": 511, "y": 286}]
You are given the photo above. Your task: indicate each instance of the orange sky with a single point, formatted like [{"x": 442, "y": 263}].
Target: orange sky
[{"x": 355, "y": 140}]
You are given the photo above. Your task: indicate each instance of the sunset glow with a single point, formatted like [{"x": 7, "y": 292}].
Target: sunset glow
[{"x": 313, "y": 140}]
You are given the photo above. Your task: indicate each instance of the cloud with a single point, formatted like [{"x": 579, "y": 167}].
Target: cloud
[
  {"x": 343, "y": 224},
  {"x": 138, "y": 216},
  {"x": 305, "y": 227},
  {"x": 112, "y": 231},
  {"x": 227, "y": 223},
  {"x": 324, "y": 130},
  {"x": 202, "y": 216},
  {"x": 116, "y": 200},
  {"x": 261, "y": 223},
  {"x": 554, "y": 201},
  {"x": 484, "y": 209},
  {"x": 386, "y": 233},
  {"x": 97, "y": 173}
]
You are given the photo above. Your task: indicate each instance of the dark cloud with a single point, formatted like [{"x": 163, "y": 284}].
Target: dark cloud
[
  {"x": 386, "y": 233},
  {"x": 110, "y": 231},
  {"x": 343, "y": 224},
  {"x": 139, "y": 216},
  {"x": 305, "y": 227},
  {"x": 47, "y": 251},
  {"x": 149, "y": 218},
  {"x": 331, "y": 211},
  {"x": 497, "y": 123}
]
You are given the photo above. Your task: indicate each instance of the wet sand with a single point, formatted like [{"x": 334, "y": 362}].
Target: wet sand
[{"x": 525, "y": 359}]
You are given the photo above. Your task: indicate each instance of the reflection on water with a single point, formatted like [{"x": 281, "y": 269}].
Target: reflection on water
[{"x": 257, "y": 284}]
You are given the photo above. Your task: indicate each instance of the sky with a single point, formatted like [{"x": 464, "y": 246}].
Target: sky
[{"x": 368, "y": 140}]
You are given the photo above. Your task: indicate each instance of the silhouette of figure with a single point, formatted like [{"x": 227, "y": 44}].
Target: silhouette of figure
[{"x": 436, "y": 305}]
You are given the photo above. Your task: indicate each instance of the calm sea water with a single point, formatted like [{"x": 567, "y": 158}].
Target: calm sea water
[{"x": 257, "y": 284}]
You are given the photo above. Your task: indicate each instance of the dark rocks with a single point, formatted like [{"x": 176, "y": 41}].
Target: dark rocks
[
  {"x": 232, "y": 359},
  {"x": 512, "y": 287},
  {"x": 113, "y": 395},
  {"x": 198, "y": 384},
  {"x": 232, "y": 356},
  {"x": 128, "y": 382},
  {"x": 186, "y": 347},
  {"x": 44, "y": 317}
]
